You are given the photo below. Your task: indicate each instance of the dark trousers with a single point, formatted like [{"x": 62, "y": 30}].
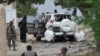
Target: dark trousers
[
  {"x": 22, "y": 35},
  {"x": 11, "y": 38}
]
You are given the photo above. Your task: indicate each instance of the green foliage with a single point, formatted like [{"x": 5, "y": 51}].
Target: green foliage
[
  {"x": 89, "y": 9},
  {"x": 23, "y": 10},
  {"x": 23, "y": 1},
  {"x": 32, "y": 1},
  {"x": 82, "y": 4},
  {"x": 97, "y": 38},
  {"x": 70, "y": 3},
  {"x": 1, "y": 1},
  {"x": 7, "y": 1},
  {"x": 24, "y": 7}
]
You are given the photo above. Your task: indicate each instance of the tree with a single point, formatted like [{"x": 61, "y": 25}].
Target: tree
[
  {"x": 89, "y": 8},
  {"x": 24, "y": 7},
  {"x": 82, "y": 4}
]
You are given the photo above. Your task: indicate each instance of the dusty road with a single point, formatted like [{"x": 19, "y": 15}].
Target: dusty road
[{"x": 51, "y": 49}]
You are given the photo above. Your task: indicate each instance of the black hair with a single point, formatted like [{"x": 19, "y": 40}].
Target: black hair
[
  {"x": 25, "y": 18},
  {"x": 11, "y": 23},
  {"x": 29, "y": 47},
  {"x": 47, "y": 12},
  {"x": 55, "y": 11},
  {"x": 74, "y": 11},
  {"x": 43, "y": 13}
]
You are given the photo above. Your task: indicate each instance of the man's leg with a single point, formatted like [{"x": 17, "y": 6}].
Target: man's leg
[
  {"x": 21, "y": 35},
  {"x": 21, "y": 38},
  {"x": 9, "y": 43},
  {"x": 24, "y": 37},
  {"x": 14, "y": 45}
]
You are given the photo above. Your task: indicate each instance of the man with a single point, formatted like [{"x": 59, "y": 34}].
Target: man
[
  {"x": 63, "y": 52},
  {"x": 55, "y": 11},
  {"x": 11, "y": 35},
  {"x": 74, "y": 13},
  {"x": 43, "y": 17},
  {"x": 47, "y": 12},
  {"x": 29, "y": 52},
  {"x": 23, "y": 29}
]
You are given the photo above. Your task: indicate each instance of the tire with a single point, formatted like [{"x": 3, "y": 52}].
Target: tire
[
  {"x": 72, "y": 38},
  {"x": 34, "y": 35},
  {"x": 38, "y": 38}
]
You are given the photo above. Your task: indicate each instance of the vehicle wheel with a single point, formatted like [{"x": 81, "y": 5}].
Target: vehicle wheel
[
  {"x": 48, "y": 41},
  {"x": 72, "y": 38},
  {"x": 38, "y": 38},
  {"x": 34, "y": 35}
]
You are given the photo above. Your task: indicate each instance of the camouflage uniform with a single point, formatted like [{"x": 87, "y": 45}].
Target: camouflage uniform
[{"x": 11, "y": 36}]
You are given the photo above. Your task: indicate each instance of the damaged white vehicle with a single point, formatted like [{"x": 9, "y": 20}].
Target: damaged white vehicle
[{"x": 59, "y": 26}]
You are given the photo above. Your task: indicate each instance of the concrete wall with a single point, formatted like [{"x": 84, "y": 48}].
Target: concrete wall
[{"x": 3, "y": 41}]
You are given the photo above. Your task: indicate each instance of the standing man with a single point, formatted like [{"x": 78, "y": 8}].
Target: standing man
[
  {"x": 47, "y": 12},
  {"x": 55, "y": 11},
  {"x": 43, "y": 17},
  {"x": 11, "y": 35},
  {"x": 29, "y": 52},
  {"x": 74, "y": 13},
  {"x": 23, "y": 29}
]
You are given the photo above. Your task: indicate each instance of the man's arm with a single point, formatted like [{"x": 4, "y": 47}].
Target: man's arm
[
  {"x": 14, "y": 31},
  {"x": 7, "y": 32}
]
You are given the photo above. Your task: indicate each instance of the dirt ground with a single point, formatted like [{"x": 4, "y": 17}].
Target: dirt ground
[
  {"x": 83, "y": 48},
  {"x": 51, "y": 49}
]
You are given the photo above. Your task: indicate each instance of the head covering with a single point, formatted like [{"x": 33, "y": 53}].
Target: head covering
[
  {"x": 64, "y": 48},
  {"x": 55, "y": 11}
]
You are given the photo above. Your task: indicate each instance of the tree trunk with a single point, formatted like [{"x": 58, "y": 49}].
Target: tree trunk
[{"x": 3, "y": 40}]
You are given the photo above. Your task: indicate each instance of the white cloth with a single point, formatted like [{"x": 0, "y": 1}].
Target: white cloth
[
  {"x": 30, "y": 53},
  {"x": 47, "y": 25},
  {"x": 49, "y": 35},
  {"x": 80, "y": 36}
]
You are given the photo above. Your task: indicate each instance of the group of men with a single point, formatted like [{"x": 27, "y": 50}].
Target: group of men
[
  {"x": 11, "y": 36},
  {"x": 11, "y": 33},
  {"x": 23, "y": 24},
  {"x": 30, "y": 52}
]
